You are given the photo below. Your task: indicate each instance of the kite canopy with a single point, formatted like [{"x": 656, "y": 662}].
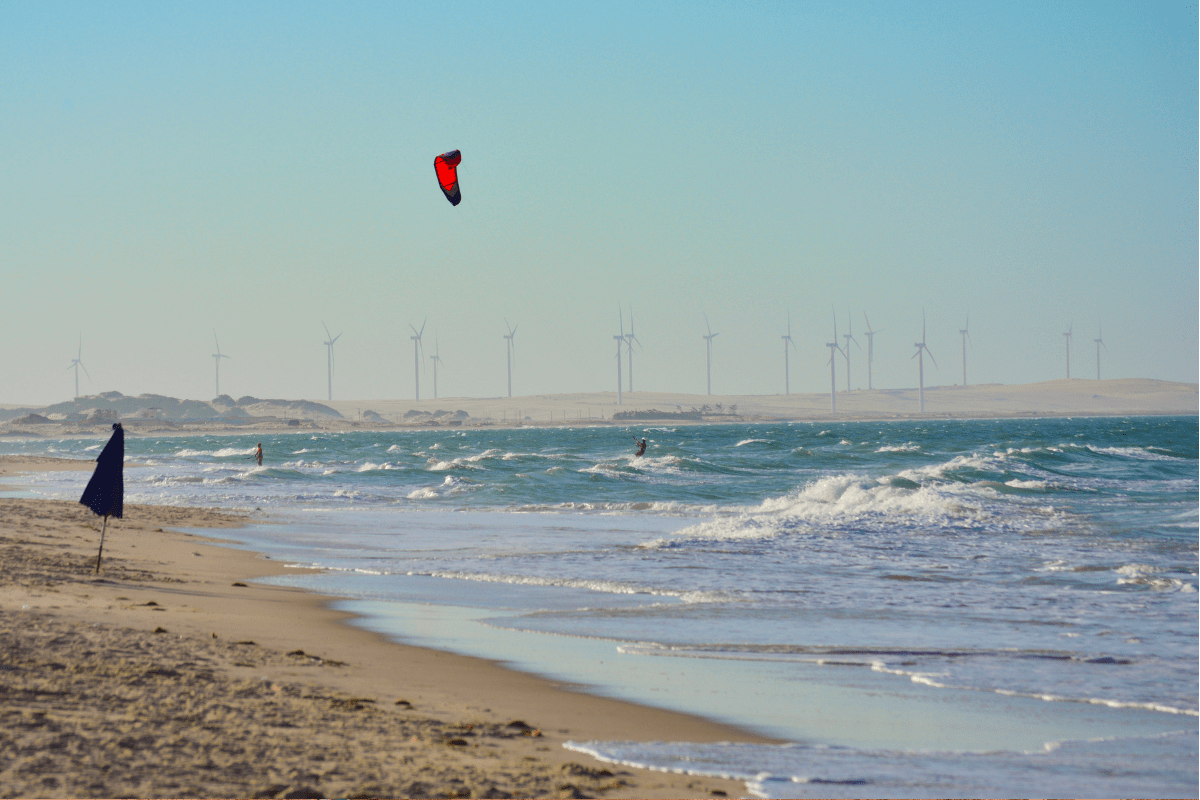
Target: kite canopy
[
  {"x": 105, "y": 492},
  {"x": 446, "y": 167}
]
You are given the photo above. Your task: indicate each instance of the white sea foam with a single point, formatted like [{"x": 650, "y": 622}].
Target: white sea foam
[
  {"x": 224, "y": 452},
  {"x": 1146, "y": 575},
  {"x": 450, "y": 485},
  {"x": 1134, "y": 452},
  {"x": 910, "y": 447},
  {"x": 1017, "y": 483},
  {"x": 595, "y": 585},
  {"x": 920, "y": 496},
  {"x": 371, "y": 467},
  {"x": 753, "y": 441}
]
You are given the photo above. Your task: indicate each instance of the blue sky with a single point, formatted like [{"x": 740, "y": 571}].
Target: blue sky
[{"x": 257, "y": 169}]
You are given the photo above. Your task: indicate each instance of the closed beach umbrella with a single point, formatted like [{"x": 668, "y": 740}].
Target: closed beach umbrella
[{"x": 105, "y": 492}]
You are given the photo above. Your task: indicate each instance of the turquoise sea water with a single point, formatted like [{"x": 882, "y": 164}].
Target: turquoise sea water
[{"x": 961, "y": 608}]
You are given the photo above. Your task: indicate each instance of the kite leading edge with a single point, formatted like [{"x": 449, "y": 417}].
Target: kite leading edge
[{"x": 446, "y": 167}]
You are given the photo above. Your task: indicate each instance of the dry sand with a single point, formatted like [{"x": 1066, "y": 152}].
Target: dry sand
[{"x": 171, "y": 673}]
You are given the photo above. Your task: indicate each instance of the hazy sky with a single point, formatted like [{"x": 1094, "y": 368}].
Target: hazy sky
[{"x": 254, "y": 168}]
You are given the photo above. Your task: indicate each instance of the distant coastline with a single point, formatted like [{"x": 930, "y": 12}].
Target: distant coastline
[{"x": 157, "y": 414}]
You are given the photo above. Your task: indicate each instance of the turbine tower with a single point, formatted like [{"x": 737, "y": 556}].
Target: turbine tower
[
  {"x": 1099, "y": 343},
  {"x": 965, "y": 332},
  {"x": 1067, "y": 335},
  {"x": 870, "y": 349},
  {"x": 76, "y": 363},
  {"x": 630, "y": 338},
  {"x": 217, "y": 356},
  {"x": 620, "y": 341},
  {"x": 418, "y": 351},
  {"x": 921, "y": 350},
  {"x": 849, "y": 337},
  {"x": 510, "y": 349},
  {"x": 329, "y": 356},
  {"x": 436, "y": 359},
  {"x": 787, "y": 340},
  {"x": 833, "y": 347},
  {"x": 708, "y": 341}
]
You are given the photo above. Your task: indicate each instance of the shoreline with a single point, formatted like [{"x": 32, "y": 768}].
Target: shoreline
[
  {"x": 133, "y": 430},
  {"x": 453, "y": 715}
]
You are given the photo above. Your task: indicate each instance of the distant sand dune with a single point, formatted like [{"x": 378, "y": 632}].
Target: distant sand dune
[
  {"x": 1060, "y": 397},
  {"x": 1127, "y": 396}
]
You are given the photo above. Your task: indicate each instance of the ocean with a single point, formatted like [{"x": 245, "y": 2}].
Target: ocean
[{"x": 960, "y": 608}]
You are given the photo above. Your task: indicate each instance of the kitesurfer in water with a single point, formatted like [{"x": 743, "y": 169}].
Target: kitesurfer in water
[
  {"x": 641, "y": 447},
  {"x": 258, "y": 454}
]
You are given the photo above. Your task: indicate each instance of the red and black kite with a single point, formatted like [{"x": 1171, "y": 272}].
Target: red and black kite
[{"x": 446, "y": 166}]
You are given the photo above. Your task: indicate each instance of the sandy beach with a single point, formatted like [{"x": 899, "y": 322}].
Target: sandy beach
[{"x": 172, "y": 674}]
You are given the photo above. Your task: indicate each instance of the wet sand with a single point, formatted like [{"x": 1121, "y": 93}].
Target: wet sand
[{"x": 171, "y": 673}]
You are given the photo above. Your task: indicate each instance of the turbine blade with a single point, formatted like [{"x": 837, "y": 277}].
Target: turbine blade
[
  {"x": 931, "y": 358},
  {"x": 326, "y": 327}
]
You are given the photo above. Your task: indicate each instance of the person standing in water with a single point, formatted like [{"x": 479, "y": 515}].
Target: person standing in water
[
  {"x": 258, "y": 454},
  {"x": 641, "y": 447}
]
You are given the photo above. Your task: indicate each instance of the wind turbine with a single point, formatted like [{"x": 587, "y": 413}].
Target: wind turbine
[
  {"x": 849, "y": 337},
  {"x": 1099, "y": 343},
  {"x": 1067, "y": 334},
  {"x": 436, "y": 359},
  {"x": 965, "y": 332},
  {"x": 870, "y": 349},
  {"x": 833, "y": 346},
  {"x": 418, "y": 351},
  {"x": 510, "y": 349},
  {"x": 620, "y": 340},
  {"x": 630, "y": 338},
  {"x": 787, "y": 340},
  {"x": 76, "y": 363},
  {"x": 921, "y": 350},
  {"x": 708, "y": 341},
  {"x": 329, "y": 356},
  {"x": 217, "y": 356}
]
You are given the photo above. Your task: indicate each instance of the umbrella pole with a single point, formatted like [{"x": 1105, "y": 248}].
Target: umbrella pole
[{"x": 103, "y": 527}]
